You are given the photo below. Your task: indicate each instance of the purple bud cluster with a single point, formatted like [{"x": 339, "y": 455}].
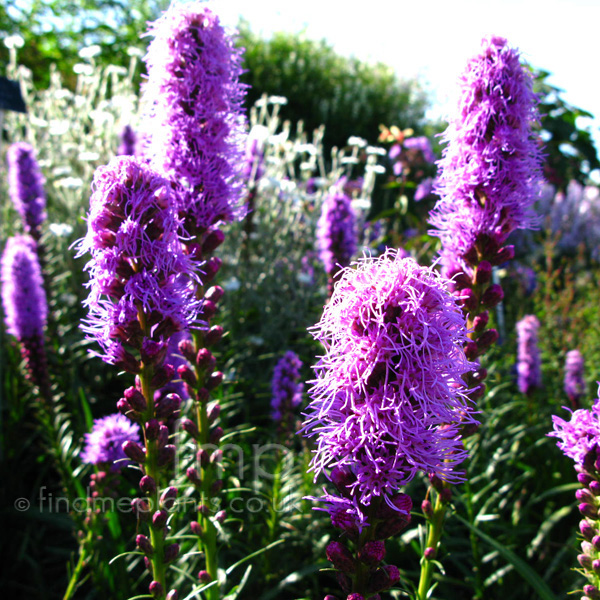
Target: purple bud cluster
[
  {"x": 26, "y": 186},
  {"x": 25, "y": 306},
  {"x": 490, "y": 172},
  {"x": 141, "y": 282},
  {"x": 529, "y": 362},
  {"x": 194, "y": 121},
  {"x": 128, "y": 142},
  {"x": 575, "y": 386},
  {"x": 579, "y": 439},
  {"x": 336, "y": 232},
  {"x": 287, "y": 391}
]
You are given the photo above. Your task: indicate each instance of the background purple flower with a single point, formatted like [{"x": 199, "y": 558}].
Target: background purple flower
[
  {"x": 104, "y": 444},
  {"x": 336, "y": 231},
  {"x": 194, "y": 122},
  {"x": 26, "y": 186},
  {"x": 574, "y": 376},
  {"x": 287, "y": 390},
  {"x": 128, "y": 142},
  {"x": 529, "y": 362},
  {"x": 490, "y": 171},
  {"x": 388, "y": 400},
  {"x": 23, "y": 296}
]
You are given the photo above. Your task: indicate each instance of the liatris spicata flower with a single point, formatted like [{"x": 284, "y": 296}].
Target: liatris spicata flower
[
  {"x": 194, "y": 103},
  {"x": 529, "y": 373},
  {"x": 142, "y": 291},
  {"x": 137, "y": 264},
  {"x": 336, "y": 232},
  {"x": 25, "y": 306},
  {"x": 287, "y": 391},
  {"x": 389, "y": 398},
  {"x": 104, "y": 444},
  {"x": 128, "y": 142},
  {"x": 389, "y": 395},
  {"x": 579, "y": 439},
  {"x": 26, "y": 186},
  {"x": 574, "y": 379},
  {"x": 490, "y": 170}
]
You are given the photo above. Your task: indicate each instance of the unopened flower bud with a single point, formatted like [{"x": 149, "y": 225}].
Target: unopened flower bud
[
  {"x": 187, "y": 349},
  {"x": 211, "y": 268},
  {"x": 215, "y": 435},
  {"x": 134, "y": 451},
  {"x": 190, "y": 427},
  {"x": 427, "y": 509},
  {"x": 492, "y": 296},
  {"x": 135, "y": 399},
  {"x": 187, "y": 375},
  {"x": 208, "y": 310},
  {"x": 585, "y": 561},
  {"x": 168, "y": 497},
  {"x": 483, "y": 273},
  {"x": 214, "y": 380},
  {"x": 587, "y": 531},
  {"x": 192, "y": 475},
  {"x": 152, "y": 429},
  {"x": 468, "y": 299},
  {"x": 205, "y": 359},
  {"x": 213, "y": 335},
  {"x": 216, "y": 487},
  {"x": 372, "y": 553},
  {"x": 203, "y": 458},
  {"x": 156, "y": 589},
  {"x": 588, "y": 510},
  {"x": 172, "y": 595},
  {"x": 471, "y": 350},
  {"x": 196, "y": 528},
  {"x": 591, "y": 591},
  {"x": 213, "y": 413},
  {"x": 204, "y": 577},
  {"x": 221, "y": 516},
  {"x": 162, "y": 376},
  {"x": 141, "y": 508},
  {"x": 487, "y": 339},
  {"x": 163, "y": 436},
  {"x": 504, "y": 254},
  {"x": 212, "y": 241},
  {"x": 167, "y": 406},
  {"x": 214, "y": 293},
  {"x": 143, "y": 543},
  {"x": 166, "y": 455},
  {"x": 595, "y": 487},
  {"x": 147, "y": 485},
  {"x": 430, "y": 553},
  {"x": 480, "y": 321}
]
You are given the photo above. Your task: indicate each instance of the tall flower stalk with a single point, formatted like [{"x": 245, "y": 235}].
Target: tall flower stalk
[
  {"x": 141, "y": 293},
  {"x": 388, "y": 402},
  {"x": 195, "y": 136},
  {"x": 26, "y": 187},
  {"x": 579, "y": 439},
  {"x": 574, "y": 377},
  {"x": 529, "y": 362},
  {"x": 489, "y": 180}
]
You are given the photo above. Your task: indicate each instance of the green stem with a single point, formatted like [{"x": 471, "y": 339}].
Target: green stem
[
  {"x": 83, "y": 555},
  {"x": 435, "y": 528},
  {"x": 474, "y": 543},
  {"x": 152, "y": 470}
]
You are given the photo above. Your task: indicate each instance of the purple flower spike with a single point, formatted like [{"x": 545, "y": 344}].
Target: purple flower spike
[
  {"x": 336, "y": 231},
  {"x": 388, "y": 399},
  {"x": 137, "y": 261},
  {"x": 194, "y": 125},
  {"x": 574, "y": 376},
  {"x": 26, "y": 186},
  {"x": 104, "y": 443},
  {"x": 580, "y": 434},
  {"x": 529, "y": 372},
  {"x": 490, "y": 171},
  {"x": 287, "y": 391},
  {"x": 23, "y": 296}
]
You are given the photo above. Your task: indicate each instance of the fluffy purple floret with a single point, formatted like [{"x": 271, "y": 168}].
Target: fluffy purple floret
[
  {"x": 23, "y": 296},
  {"x": 336, "y": 231},
  {"x": 529, "y": 362},
  {"x": 137, "y": 259},
  {"x": 287, "y": 390},
  {"x": 574, "y": 375},
  {"x": 104, "y": 444},
  {"x": 388, "y": 400},
  {"x": 580, "y": 434},
  {"x": 26, "y": 186},
  {"x": 194, "y": 125},
  {"x": 490, "y": 170}
]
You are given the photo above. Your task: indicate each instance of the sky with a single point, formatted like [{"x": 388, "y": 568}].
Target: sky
[{"x": 433, "y": 39}]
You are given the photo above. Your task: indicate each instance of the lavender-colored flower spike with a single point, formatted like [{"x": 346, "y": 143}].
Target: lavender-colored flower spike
[
  {"x": 529, "y": 373},
  {"x": 104, "y": 443},
  {"x": 25, "y": 307},
  {"x": 23, "y": 296},
  {"x": 490, "y": 171},
  {"x": 574, "y": 376},
  {"x": 336, "y": 232},
  {"x": 26, "y": 186},
  {"x": 388, "y": 400},
  {"x": 194, "y": 133},
  {"x": 137, "y": 262},
  {"x": 287, "y": 391}
]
